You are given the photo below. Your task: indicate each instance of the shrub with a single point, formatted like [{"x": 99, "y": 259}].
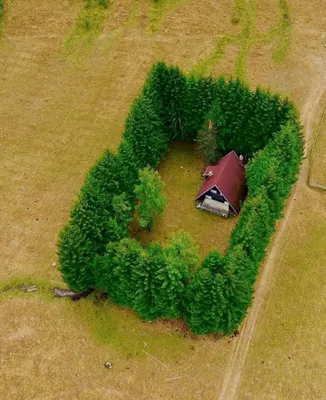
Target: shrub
[{"x": 151, "y": 201}]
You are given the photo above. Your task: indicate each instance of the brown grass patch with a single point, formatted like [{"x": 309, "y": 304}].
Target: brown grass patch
[
  {"x": 58, "y": 349},
  {"x": 286, "y": 358},
  {"x": 318, "y": 155}
]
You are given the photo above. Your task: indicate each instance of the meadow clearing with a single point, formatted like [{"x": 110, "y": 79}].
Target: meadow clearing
[{"x": 68, "y": 76}]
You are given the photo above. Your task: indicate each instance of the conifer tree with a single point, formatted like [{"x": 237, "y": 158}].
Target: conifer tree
[
  {"x": 115, "y": 272},
  {"x": 206, "y": 143},
  {"x": 90, "y": 228},
  {"x": 146, "y": 303},
  {"x": 144, "y": 134},
  {"x": 254, "y": 228},
  {"x": 151, "y": 201},
  {"x": 214, "y": 262},
  {"x": 206, "y": 302},
  {"x": 200, "y": 96},
  {"x": 240, "y": 273},
  {"x": 166, "y": 87}
]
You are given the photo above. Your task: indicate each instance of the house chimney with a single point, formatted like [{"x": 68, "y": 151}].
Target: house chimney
[{"x": 241, "y": 160}]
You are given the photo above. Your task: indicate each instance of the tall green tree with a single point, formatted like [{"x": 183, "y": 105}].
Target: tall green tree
[
  {"x": 94, "y": 220},
  {"x": 115, "y": 271},
  {"x": 205, "y": 302},
  {"x": 151, "y": 201},
  {"x": 146, "y": 303}
]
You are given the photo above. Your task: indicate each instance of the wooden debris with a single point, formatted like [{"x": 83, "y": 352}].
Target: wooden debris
[
  {"x": 173, "y": 379},
  {"x": 25, "y": 288},
  {"x": 156, "y": 359},
  {"x": 72, "y": 295}
]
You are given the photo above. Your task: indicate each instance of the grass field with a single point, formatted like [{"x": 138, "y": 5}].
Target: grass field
[
  {"x": 65, "y": 95},
  {"x": 318, "y": 164}
]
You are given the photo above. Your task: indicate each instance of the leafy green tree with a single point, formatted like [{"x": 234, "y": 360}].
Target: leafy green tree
[
  {"x": 183, "y": 252},
  {"x": 151, "y": 201},
  {"x": 205, "y": 302}
]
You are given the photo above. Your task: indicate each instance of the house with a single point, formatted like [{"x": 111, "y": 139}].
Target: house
[{"x": 225, "y": 186}]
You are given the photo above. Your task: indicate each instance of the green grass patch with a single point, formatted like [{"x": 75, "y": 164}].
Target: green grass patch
[
  {"x": 244, "y": 13},
  {"x": 89, "y": 24},
  {"x": 109, "y": 323},
  {"x": 205, "y": 65},
  {"x": 12, "y": 288},
  {"x": 157, "y": 11}
]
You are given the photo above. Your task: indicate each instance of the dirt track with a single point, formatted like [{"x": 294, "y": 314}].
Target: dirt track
[{"x": 241, "y": 345}]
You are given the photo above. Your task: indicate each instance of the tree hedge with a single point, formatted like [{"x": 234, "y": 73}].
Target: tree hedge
[{"x": 94, "y": 248}]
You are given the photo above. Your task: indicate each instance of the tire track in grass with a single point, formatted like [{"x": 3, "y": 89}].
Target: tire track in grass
[
  {"x": 241, "y": 345},
  {"x": 244, "y": 12}
]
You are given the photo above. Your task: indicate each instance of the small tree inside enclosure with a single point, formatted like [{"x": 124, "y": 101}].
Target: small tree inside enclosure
[
  {"x": 151, "y": 201},
  {"x": 206, "y": 143}
]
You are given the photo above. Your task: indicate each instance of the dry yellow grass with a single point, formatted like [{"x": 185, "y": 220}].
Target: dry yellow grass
[
  {"x": 318, "y": 162},
  {"x": 286, "y": 358},
  {"x": 58, "y": 349},
  {"x": 61, "y": 110}
]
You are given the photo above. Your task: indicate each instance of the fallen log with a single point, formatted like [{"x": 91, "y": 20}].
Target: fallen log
[{"x": 75, "y": 296}]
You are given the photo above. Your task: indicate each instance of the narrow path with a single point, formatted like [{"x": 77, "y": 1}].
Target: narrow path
[{"x": 241, "y": 345}]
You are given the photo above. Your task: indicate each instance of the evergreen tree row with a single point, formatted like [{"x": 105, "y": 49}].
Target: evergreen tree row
[{"x": 94, "y": 248}]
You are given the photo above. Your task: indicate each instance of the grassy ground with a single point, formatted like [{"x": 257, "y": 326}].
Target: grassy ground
[
  {"x": 182, "y": 172},
  {"x": 318, "y": 165},
  {"x": 61, "y": 109},
  {"x": 286, "y": 358}
]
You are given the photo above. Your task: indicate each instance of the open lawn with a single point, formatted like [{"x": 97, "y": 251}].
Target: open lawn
[
  {"x": 65, "y": 94},
  {"x": 181, "y": 171}
]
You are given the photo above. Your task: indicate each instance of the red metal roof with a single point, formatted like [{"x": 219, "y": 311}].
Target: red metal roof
[{"x": 229, "y": 178}]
